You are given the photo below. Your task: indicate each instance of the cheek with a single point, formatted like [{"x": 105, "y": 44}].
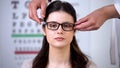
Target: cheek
[
  {"x": 49, "y": 35},
  {"x": 69, "y": 36},
  {"x": 47, "y": 32}
]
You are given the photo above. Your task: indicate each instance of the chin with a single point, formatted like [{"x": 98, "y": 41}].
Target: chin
[{"x": 60, "y": 45}]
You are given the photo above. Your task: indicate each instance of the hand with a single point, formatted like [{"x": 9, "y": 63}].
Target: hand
[
  {"x": 33, "y": 6},
  {"x": 94, "y": 20}
]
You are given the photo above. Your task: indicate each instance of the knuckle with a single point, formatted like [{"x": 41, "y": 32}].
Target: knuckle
[
  {"x": 97, "y": 27},
  {"x": 93, "y": 22}
]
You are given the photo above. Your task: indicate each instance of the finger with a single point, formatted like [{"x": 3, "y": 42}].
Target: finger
[
  {"x": 92, "y": 28},
  {"x": 33, "y": 13},
  {"x": 35, "y": 16},
  {"x": 43, "y": 9},
  {"x": 83, "y": 25},
  {"x": 88, "y": 29},
  {"x": 41, "y": 20},
  {"x": 29, "y": 7},
  {"x": 81, "y": 21}
]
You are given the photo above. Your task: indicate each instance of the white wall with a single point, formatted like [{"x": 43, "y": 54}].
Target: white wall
[{"x": 96, "y": 44}]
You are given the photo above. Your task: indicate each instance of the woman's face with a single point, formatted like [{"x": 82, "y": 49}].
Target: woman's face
[{"x": 59, "y": 37}]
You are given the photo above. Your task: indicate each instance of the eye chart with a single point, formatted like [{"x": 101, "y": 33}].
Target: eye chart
[{"x": 26, "y": 34}]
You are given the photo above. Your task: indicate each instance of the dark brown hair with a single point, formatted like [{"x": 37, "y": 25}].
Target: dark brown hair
[{"x": 77, "y": 58}]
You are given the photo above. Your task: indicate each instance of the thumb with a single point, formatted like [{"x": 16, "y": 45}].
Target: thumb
[{"x": 82, "y": 20}]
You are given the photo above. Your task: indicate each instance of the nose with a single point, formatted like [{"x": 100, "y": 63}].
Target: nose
[{"x": 60, "y": 30}]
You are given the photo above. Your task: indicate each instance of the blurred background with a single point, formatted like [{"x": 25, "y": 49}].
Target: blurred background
[{"x": 21, "y": 37}]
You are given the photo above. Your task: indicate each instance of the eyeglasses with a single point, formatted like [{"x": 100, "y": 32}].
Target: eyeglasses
[{"x": 55, "y": 25}]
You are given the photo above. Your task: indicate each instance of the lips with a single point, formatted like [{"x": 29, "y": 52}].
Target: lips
[{"x": 59, "y": 38}]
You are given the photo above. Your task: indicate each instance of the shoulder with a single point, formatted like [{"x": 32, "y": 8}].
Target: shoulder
[
  {"x": 91, "y": 64},
  {"x": 27, "y": 64}
]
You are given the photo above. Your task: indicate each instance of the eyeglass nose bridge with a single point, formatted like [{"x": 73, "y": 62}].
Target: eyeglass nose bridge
[{"x": 60, "y": 25}]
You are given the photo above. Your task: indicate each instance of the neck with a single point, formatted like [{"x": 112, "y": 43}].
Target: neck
[{"x": 59, "y": 55}]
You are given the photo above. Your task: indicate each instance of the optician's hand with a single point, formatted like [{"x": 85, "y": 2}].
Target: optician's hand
[
  {"x": 94, "y": 20},
  {"x": 34, "y": 5}
]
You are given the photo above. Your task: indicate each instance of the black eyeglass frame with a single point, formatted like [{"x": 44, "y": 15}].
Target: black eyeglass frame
[{"x": 46, "y": 23}]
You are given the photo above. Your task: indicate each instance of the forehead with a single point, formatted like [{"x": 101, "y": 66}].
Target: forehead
[{"x": 60, "y": 16}]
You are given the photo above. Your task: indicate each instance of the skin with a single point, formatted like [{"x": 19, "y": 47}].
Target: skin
[
  {"x": 96, "y": 19},
  {"x": 59, "y": 49},
  {"x": 92, "y": 21},
  {"x": 33, "y": 6}
]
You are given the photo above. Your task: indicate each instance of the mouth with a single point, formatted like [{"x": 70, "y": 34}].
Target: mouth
[{"x": 59, "y": 38}]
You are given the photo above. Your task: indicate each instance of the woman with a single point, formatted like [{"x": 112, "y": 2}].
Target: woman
[{"x": 59, "y": 48}]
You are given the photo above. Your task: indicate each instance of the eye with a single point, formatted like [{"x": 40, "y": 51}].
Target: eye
[
  {"x": 67, "y": 25},
  {"x": 52, "y": 25}
]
